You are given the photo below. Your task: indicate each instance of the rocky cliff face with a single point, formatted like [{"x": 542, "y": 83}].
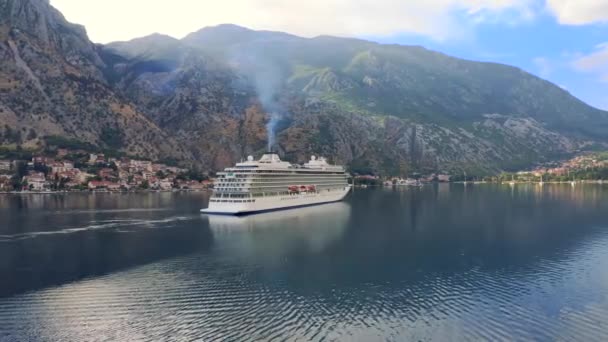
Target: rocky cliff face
[
  {"x": 52, "y": 84},
  {"x": 209, "y": 98},
  {"x": 37, "y": 20}
]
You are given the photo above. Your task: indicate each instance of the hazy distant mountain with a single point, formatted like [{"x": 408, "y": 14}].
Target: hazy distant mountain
[{"x": 380, "y": 107}]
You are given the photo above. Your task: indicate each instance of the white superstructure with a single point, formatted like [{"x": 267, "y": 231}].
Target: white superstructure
[{"x": 271, "y": 184}]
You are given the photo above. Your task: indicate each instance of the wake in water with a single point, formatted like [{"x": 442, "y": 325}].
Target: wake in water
[
  {"x": 108, "y": 211},
  {"x": 97, "y": 225}
]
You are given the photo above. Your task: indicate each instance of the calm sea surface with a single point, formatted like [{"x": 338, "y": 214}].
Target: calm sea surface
[{"x": 485, "y": 262}]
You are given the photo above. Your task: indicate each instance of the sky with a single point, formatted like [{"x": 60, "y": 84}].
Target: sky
[{"x": 563, "y": 41}]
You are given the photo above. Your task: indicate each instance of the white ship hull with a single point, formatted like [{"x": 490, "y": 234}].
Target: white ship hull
[{"x": 264, "y": 204}]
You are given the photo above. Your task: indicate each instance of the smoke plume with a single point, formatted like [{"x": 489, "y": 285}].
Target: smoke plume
[
  {"x": 267, "y": 81},
  {"x": 266, "y": 74}
]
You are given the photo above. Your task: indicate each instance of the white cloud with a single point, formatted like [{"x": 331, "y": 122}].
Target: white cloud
[
  {"x": 109, "y": 20},
  {"x": 595, "y": 62},
  {"x": 579, "y": 12}
]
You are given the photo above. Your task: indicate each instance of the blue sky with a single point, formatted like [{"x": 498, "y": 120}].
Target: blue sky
[{"x": 563, "y": 41}]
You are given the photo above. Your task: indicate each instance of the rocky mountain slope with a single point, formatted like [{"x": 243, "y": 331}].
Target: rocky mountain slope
[
  {"x": 373, "y": 106},
  {"x": 52, "y": 84},
  {"x": 216, "y": 96}
]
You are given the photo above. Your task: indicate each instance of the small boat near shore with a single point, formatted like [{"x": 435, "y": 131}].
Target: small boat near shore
[{"x": 410, "y": 182}]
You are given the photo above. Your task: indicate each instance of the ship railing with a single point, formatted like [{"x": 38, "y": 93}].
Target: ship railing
[
  {"x": 263, "y": 189},
  {"x": 282, "y": 171},
  {"x": 258, "y": 194},
  {"x": 310, "y": 181},
  {"x": 283, "y": 176},
  {"x": 273, "y": 185}
]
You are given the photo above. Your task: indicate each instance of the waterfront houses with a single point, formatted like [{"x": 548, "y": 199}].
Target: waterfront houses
[
  {"x": 78, "y": 170},
  {"x": 563, "y": 169},
  {"x": 81, "y": 177},
  {"x": 5, "y": 183},
  {"x": 62, "y": 152},
  {"x": 5, "y": 165},
  {"x": 443, "y": 178},
  {"x": 107, "y": 173},
  {"x": 35, "y": 181},
  {"x": 40, "y": 160},
  {"x": 106, "y": 185},
  {"x": 61, "y": 167},
  {"x": 96, "y": 159},
  {"x": 165, "y": 184}
]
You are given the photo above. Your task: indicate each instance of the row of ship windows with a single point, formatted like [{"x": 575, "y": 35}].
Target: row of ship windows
[
  {"x": 231, "y": 201},
  {"x": 274, "y": 179},
  {"x": 292, "y": 198},
  {"x": 273, "y": 185},
  {"x": 277, "y": 174},
  {"x": 286, "y": 181},
  {"x": 264, "y": 180},
  {"x": 264, "y": 194},
  {"x": 261, "y": 186},
  {"x": 292, "y": 172},
  {"x": 281, "y": 176},
  {"x": 219, "y": 189},
  {"x": 326, "y": 181}
]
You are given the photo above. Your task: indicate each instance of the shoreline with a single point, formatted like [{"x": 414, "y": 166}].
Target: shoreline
[
  {"x": 595, "y": 182},
  {"x": 598, "y": 182},
  {"x": 94, "y": 192}
]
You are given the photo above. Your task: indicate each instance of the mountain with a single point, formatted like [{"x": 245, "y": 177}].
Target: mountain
[
  {"x": 373, "y": 106},
  {"x": 52, "y": 84},
  {"x": 220, "y": 93},
  {"x": 409, "y": 82}
]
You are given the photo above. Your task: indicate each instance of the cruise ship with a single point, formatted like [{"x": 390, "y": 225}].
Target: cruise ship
[{"x": 270, "y": 184}]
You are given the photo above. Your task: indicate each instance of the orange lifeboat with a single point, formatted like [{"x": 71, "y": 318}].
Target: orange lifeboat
[
  {"x": 293, "y": 188},
  {"x": 311, "y": 188}
]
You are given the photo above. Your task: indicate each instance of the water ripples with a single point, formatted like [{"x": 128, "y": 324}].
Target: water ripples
[
  {"x": 99, "y": 225},
  {"x": 200, "y": 298},
  {"x": 320, "y": 278}
]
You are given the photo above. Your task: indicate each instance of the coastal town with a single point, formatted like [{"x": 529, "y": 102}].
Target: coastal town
[
  {"x": 588, "y": 168},
  {"x": 67, "y": 171},
  {"x": 593, "y": 166},
  {"x": 585, "y": 168}
]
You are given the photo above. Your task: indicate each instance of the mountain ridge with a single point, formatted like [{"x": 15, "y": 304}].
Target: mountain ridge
[{"x": 217, "y": 94}]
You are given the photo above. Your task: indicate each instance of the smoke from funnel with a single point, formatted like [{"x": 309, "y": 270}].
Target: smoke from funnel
[
  {"x": 264, "y": 70},
  {"x": 267, "y": 83},
  {"x": 271, "y": 128}
]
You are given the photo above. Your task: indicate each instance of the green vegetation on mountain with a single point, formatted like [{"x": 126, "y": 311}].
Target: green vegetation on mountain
[{"x": 206, "y": 99}]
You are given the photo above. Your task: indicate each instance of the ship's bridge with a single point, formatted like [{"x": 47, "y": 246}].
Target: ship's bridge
[
  {"x": 269, "y": 160},
  {"x": 321, "y": 164}
]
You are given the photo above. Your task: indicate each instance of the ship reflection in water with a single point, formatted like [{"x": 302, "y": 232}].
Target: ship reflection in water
[{"x": 275, "y": 235}]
